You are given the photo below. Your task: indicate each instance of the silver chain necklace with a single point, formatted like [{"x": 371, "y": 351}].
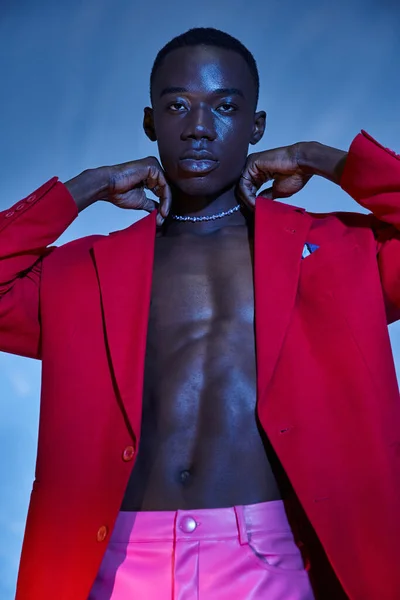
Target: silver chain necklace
[{"x": 224, "y": 213}]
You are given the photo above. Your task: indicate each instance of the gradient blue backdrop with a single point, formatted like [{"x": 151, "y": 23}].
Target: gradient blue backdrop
[{"x": 74, "y": 81}]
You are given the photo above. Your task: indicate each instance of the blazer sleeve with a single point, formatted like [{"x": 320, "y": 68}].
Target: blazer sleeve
[
  {"x": 26, "y": 231},
  {"x": 372, "y": 177}
]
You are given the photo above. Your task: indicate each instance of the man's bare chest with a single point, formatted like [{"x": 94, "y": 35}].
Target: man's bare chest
[{"x": 202, "y": 280}]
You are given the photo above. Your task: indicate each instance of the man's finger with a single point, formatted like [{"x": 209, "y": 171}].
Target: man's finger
[
  {"x": 247, "y": 191},
  {"x": 157, "y": 183},
  {"x": 149, "y": 205},
  {"x": 246, "y": 187},
  {"x": 254, "y": 175},
  {"x": 165, "y": 196}
]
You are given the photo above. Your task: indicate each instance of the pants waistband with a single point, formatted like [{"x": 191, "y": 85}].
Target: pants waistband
[{"x": 201, "y": 524}]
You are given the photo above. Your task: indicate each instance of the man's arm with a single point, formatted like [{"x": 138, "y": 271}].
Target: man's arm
[
  {"x": 317, "y": 159},
  {"x": 372, "y": 177},
  {"x": 26, "y": 230},
  {"x": 370, "y": 173},
  {"x": 88, "y": 187},
  {"x": 29, "y": 227}
]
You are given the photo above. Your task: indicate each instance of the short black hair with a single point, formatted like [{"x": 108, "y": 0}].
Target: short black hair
[{"x": 207, "y": 36}]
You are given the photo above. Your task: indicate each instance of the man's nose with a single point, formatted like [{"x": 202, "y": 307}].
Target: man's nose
[{"x": 199, "y": 124}]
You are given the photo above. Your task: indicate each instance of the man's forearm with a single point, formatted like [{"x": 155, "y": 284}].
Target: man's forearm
[
  {"x": 88, "y": 187},
  {"x": 318, "y": 159}
]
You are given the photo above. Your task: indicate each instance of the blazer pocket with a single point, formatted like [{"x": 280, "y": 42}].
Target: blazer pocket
[
  {"x": 328, "y": 266},
  {"x": 327, "y": 252}
]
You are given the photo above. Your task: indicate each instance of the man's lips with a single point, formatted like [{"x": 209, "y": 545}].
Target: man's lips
[
  {"x": 198, "y": 162},
  {"x": 197, "y": 154},
  {"x": 199, "y": 165}
]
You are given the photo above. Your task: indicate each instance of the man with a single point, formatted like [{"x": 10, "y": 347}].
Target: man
[{"x": 253, "y": 364}]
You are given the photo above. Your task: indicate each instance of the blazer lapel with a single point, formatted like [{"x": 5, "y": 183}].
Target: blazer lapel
[
  {"x": 280, "y": 234},
  {"x": 124, "y": 264}
]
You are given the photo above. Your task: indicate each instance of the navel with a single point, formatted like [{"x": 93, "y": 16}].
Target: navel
[{"x": 185, "y": 476}]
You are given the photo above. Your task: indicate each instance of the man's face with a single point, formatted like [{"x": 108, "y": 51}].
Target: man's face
[{"x": 204, "y": 118}]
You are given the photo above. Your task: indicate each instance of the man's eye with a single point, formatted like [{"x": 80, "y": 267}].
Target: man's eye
[
  {"x": 229, "y": 108},
  {"x": 176, "y": 106}
]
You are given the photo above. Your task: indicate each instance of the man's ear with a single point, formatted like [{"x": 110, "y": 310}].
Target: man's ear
[
  {"x": 148, "y": 124},
  {"x": 258, "y": 127}
]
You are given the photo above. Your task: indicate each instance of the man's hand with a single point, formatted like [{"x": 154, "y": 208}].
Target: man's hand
[
  {"x": 289, "y": 168},
  {"x": 124, "y": 185}
]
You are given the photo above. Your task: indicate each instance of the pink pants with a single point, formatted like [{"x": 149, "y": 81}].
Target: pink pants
[{"x": 239, "y": 553}]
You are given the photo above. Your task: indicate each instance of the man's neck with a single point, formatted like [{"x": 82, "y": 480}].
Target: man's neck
[{"x": 205, "y": 206}]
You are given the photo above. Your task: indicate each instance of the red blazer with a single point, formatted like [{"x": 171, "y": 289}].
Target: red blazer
[{"x": 328, "y": 398}]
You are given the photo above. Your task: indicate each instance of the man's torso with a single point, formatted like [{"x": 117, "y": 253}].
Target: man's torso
[{"x": 201, "y": 445}]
